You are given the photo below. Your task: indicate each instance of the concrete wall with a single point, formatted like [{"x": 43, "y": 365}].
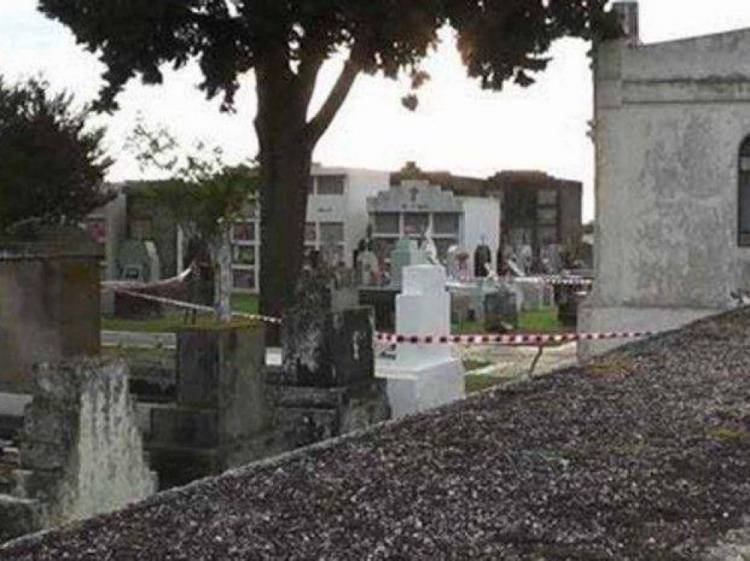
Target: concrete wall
[
  {"x": 114, "y": 215},
  {"x": 362, "y": 184},
  {"x": 222, "y": 416},
  {"x": 163, "y": 227},
  {"x": 49, "y": 304},
  {"x": 349, "y": 208},
  {"x": 571, "y": 212},
  {"x": 670, "y": 119}
]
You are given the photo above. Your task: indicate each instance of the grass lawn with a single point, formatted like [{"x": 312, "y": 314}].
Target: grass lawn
[
  {"x": 245, "y": 303},
  {"x": 544, "y": 321},
  {"x": 174, "y": 320},
  {"x": 478, "y": 382},
  {"x": 472, "y": 364}
]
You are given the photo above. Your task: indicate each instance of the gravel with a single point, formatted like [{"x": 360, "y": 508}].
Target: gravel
[{"x": 643, "y": 454}]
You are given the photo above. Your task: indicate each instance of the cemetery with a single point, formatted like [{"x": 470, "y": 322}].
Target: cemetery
[
  {"x": 203, "y": 399},
  {"x": 426, "y": 365},
  {"x": 579, "y": 464}
]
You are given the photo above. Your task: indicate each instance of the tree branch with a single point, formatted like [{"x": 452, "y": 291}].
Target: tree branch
[
  {"x": 319, "y": 124},
  {"x": 307, "y": 74}
]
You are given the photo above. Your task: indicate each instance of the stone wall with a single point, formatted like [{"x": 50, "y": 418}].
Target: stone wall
[
  {"x": 222, "y": 416},
  {"x": 51, "y": 283},
  {"x": 669, "y": 122},
  {"x": 81, "y": 452}
]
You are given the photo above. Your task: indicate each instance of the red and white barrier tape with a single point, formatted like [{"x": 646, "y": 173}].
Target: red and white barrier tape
[
  {"x": 196, "y": 307},
  {"x": 518, "y": 339},
  {"x": 507, "y": 339},
  {"x": 556, "y": 281}
]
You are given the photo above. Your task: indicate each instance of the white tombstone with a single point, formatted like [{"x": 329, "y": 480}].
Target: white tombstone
[{"x": 422, "y": 376}]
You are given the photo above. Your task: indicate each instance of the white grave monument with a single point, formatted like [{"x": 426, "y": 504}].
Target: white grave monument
[{"x": 422, "y": 376}]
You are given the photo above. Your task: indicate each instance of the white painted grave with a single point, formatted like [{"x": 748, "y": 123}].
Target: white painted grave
[{"x": 422, "y": 376}]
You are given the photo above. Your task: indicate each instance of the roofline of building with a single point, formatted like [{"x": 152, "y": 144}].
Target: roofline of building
[{"x": 692, "y": 38}]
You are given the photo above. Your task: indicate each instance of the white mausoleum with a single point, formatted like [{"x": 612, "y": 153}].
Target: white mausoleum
[
  {"x": 336, "y": 219},
  {"x": 672, "y": 134}
]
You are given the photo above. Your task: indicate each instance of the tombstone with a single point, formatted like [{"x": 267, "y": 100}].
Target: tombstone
[
  {"x": 368, "y": 268},
  {"x": 515, "y": 269},
  {"x": 451, "y": 262},
  {"x": 405, "y": 254},
  {"x": 526, "y": 257},
  {"x": 423, "y": 376},
  {"x": 537, "y": 295},
  {"x": 482, "y": 260},
  {"x": 327, "y": 383},
  {"x": 222, "y": 416},
  {"x": 138, "y": 261},
  {"x": 49, "y": 302},
  {"x": 552, "y": 257},
  {"x": 429, "y": 248},
  {"x": 501, "y": 308}
]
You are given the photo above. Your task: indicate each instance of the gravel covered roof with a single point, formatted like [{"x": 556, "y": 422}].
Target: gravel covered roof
[{"x": 642, "y": 455}]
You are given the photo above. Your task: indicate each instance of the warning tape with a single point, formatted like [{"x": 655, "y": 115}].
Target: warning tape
[
  {"x": 196, "y": 307},
  {"x": 508, "y": 339},
  {"x": 555, "y": 281},
  {"x": 517, "y": 339}
]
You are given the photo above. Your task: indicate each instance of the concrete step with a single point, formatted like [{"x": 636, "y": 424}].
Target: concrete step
[{"x": 18, "y": 517}]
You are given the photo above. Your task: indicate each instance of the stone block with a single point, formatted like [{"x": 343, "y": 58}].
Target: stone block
[
  {"x": 49, "y": 302},
  {"x": 19, "y": 517},
  {"x": 383, "y": 303},
  {"x": 334, "y": 349},
  {"x": 224, "y": 369},
  {"x": 184, "y": 427},
  {"x": 80, "y": 449},
  {"x": 421, "y": 389},
  {"x": 43, "y": 455},
  {"x": 500, "y": 307},
  {"x": 304, "y": 426}
]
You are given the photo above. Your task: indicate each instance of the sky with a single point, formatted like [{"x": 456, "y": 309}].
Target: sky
[{"x": 458, "y": 127}]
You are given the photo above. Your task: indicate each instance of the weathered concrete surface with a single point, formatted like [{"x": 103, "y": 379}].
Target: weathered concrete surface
[
  {"x": 49, "y": 302},
  {"x": 83, "y": 414},
  {"x": 81, "y": 452},
  {"x": 18, "y": 517},
  {"x": 669, "y": 122},
  {"x": 223, "y": 413},
  {"x": 323, "y": 345}
]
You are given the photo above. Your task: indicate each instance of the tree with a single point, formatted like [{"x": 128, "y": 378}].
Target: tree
[
  {"x": 52, "y": 166},
  {"x": 203, "y": 195},
  {"x": 286, "y": 43}
]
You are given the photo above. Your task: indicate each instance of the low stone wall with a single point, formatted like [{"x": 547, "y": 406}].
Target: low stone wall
[
  {"x": 81, "y": 452},
  {"x": 51, "y": 281}
]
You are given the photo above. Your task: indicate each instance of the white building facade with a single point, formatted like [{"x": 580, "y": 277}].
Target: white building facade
[
  {"x": 414, "y": 208},
  {"x": 336, "y": 221},
  {"x": 672, "y": 134}
]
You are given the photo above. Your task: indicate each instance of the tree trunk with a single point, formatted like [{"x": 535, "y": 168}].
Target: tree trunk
[
  {"x": 285, "y": 161},
  {"x": 283, "y": 216},
  {"x": 287, "y": 140},
  {"x": 221, "y": 255}
]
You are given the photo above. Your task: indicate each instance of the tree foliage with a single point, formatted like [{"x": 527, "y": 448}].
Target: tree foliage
[
  {"x": 203, "y": 195},
  {"x": 285, "y": 43},
  {"x": 52, "y": 165},
  {"x": 499, "y": 40}
]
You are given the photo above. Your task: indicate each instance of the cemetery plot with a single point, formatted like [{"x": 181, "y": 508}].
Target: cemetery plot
[{"x": 646, "y": 464}]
